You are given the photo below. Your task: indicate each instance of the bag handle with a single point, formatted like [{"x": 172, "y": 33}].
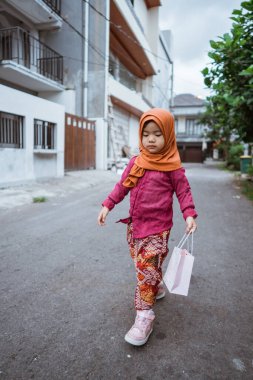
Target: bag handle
[
  {"x": 183, "y": 241},
  {"x": 190, "y": 249}
]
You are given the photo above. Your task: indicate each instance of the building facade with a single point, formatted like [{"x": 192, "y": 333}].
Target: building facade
[
  {"x": 191, "y": 140},
  {"x": 31, "y": 128},
  {"x": 140, "y": 72},
  {"x": 99, "y": 63}
]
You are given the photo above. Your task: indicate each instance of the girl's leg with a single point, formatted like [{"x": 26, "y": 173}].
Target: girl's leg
[{"x": 148, "y": 255}]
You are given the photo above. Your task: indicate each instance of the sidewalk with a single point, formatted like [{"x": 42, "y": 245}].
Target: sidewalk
[{"x": 18, "y": 195}]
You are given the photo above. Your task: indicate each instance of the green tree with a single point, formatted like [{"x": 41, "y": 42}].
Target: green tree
[{"x": 230, "y": 77}]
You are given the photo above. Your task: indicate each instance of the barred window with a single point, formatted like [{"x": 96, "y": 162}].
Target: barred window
[
  {"x": 11, "y": 130},
  {"x": 44, "y": 134},
  {"x": 193, "y": 128}
]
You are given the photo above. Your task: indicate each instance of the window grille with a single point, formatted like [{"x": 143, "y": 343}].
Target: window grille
[
  {"x": 11, "y": 130},
  {"x": 44, "y": 134},
  {"x": 55, "y": 5},
  {"x": 193, "y": 128}
]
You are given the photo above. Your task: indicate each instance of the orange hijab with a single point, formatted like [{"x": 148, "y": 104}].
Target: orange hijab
[{"x": 167, "y": 159}]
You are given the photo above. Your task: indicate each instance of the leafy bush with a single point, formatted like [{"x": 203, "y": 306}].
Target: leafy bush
[
  {"x": 234, "y": 153},
  {"x": 250, "y": 171}
]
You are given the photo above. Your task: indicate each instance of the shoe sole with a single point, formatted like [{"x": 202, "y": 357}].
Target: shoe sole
[
  {"x": 162, "y": 295},
  {"x": 137, "y": 342}
]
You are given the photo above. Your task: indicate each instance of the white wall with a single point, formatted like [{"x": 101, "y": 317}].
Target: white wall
[
  {"x": 188, "y": 111},
  {"x": 153, "y": 29},
  {"x": 162, "y": 82},
  {"x": 67, "y": 98},
  {"x": 127, "y": 96},
  {"x": 149, "y": 19},
  {"x": 24, "y": 164},
  {"x": 142, "y": 12},
  {"x": 133, "y": 134},
  {"x": 101, "y": 143},
  {"x": 181, "y": 124}
]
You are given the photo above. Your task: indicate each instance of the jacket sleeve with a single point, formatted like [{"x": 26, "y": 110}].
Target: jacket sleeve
[
  {"x": 183, "y": 192},
  {"x": 119, "y": 192}
]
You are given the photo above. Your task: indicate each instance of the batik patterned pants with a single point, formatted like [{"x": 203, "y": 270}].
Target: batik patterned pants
[{"x": 148, "y": 255}]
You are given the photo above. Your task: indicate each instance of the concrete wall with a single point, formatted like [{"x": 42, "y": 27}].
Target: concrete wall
[
  {"x": 98, "y": 58},
  {"x": 70, "y": 45},
  {"x": 153, "y": 29},
  {"x": 101, "y": 143},
  {"x": 26, "y": 163},
  {"x": 162, "y": 82},
  {"x": 142, "y": 13},
  {"x": 66, "y": 98}
]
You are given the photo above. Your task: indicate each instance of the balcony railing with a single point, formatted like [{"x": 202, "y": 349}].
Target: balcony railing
[
  {"x": 121, "y": 73},
  {"x": 55, "y": 5},
  {"x": 21, "y": 47}
]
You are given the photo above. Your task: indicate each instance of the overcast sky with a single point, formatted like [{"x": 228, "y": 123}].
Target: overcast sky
[{"x": 193, "y": 24}]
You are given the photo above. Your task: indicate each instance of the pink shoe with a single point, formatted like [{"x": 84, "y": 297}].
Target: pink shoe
[
  {"x": 142, "y": 328},
  {"x": 161, "y": 291}
]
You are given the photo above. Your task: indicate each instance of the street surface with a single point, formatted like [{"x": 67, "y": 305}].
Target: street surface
[{"x": 67, "y": 286}]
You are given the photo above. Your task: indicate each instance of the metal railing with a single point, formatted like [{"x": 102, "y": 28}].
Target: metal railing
[
  {"x": 21, "y": 47},
  {"x": 55, "y": 5}
]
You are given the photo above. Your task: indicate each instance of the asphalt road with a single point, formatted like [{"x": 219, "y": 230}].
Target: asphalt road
[{"x": 67, "y": 285}]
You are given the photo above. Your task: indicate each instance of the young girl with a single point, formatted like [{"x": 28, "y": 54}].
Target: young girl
[{"x": 152, "y": 177}]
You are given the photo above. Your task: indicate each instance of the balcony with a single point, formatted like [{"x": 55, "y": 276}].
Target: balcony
[
  {"x": 128, "y": 42},
  {"x": 27, "y": 62},
  {"x": 45, "y": 14},
  {"x": 125, "y": 98},
  {"x": 55, "y": 5}
]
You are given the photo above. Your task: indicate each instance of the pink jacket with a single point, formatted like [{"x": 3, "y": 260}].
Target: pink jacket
[{"x": 151, "y": 200}]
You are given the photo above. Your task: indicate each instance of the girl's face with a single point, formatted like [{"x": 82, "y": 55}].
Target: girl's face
[{"x": 152, "y": 137}]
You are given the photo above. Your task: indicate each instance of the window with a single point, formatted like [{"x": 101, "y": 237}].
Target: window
[
  {"x": 121, "y": 73},
  {"x": 44, "y": 134},
  {"x": 192, "y": 128},
  {"x": 176, "y": 126},
  {"x": 11, "y": 130}
]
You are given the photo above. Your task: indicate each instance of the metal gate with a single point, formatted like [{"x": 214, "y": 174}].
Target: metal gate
[{"x": 80, "y": 143}]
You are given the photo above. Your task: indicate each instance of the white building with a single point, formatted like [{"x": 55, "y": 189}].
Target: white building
[
  {"x": 191, "y": 140},
  {"x": 62, "y": 62},
  {"x": 32, "y": 135},
  {"x": 140, "y": 74},
  {"x": 31, "y": 128}
]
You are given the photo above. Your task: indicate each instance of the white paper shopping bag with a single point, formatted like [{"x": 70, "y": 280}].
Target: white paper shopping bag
[{"x": 178, "y": 273}]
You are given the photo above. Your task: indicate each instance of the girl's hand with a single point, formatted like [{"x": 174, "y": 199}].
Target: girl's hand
[
  {"x": 191, "y": 225},
  {"x": 102, "y": 215}
]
